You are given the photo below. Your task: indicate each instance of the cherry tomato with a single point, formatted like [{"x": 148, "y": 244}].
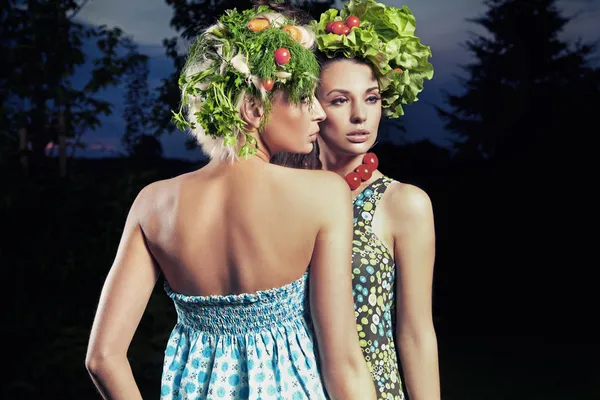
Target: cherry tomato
[
  {"x": 338, "y": 27},
  {"x": 268, "y": 84},
  {"x": 282, "y": 56},
  {"x": 353, "y": 180},
  {"x": 371, "y": 159},
  {"x": 352, "y": 21},
  {"x": 364, "y": 171}
]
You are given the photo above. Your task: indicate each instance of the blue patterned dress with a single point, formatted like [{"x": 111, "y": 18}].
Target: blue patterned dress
[{"x": 247, "y": 346}]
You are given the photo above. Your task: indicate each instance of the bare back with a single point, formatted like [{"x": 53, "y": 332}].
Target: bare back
[
  {"x": 239, "y": 228},
  {"x": 232, "y": 228}
]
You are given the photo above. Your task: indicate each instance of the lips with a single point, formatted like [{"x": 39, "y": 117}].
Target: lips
[{"x": 358, "y": 136}]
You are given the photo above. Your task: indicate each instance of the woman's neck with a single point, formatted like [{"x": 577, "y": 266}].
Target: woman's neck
[
  {"x": 341, "y": 164},
  {"x": 262, "y": 151}
]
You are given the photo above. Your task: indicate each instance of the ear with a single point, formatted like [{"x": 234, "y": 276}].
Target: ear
[{"x": 252, "y": 112}]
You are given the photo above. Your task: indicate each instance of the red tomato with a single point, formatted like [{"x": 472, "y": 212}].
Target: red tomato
[
  {"x": 364, "y": 171},
  {"x": 346, "y": 30},
  {"x": 372, "y": 160},
  {"x": 282, "y": 56},
  {"x": 353, "y": 180},
  {"x": 397, "y": 69},
  {"x": 268, "y": 84},
  {"x": 353, "y": 21},
  {"x": 329, "y": 27},
  {"x": 338, "y": 27}
]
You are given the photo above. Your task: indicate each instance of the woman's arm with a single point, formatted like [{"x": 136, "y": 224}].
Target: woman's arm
[
  {"x": 414, "y": 253},
  {"x": 344, "y": 369},
  {"x": 124, "y": 298}
]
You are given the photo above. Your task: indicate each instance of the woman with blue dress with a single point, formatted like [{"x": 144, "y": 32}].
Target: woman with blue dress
[{"x": 234, "y": 239}]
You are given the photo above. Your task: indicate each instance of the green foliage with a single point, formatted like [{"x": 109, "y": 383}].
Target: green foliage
[
  {"x": 138, "y": 107},
  {"x": 530, "y": 95},
  {"x": 45, "y": 47},
  {"x": 235, "y": 59},
  {"x": 190, "y": 18}
]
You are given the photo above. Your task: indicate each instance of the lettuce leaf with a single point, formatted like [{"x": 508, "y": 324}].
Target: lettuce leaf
[{"x": 385, "y": 39}]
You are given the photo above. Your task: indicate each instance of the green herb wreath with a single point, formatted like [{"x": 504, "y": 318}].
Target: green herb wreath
[{"x": 255, "y": 51}]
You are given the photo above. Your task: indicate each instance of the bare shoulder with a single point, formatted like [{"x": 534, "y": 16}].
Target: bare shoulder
[
  {"x": 330, "y": 183},
  {"x": 318, "y": 180},
  {"x": 328, "y": 186},
  {"x": 159, "y": 190},
  {"x": 325, "y": 188},
  {"x": 408, "y": 201},
  {"x": 156, "y": 196}
]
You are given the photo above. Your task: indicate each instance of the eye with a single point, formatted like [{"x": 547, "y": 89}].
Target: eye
[
  {"x": 339, "y": 100},
  {"x": 373, "y": 99}
]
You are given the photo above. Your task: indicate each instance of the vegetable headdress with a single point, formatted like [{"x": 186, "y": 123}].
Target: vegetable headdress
[
  {"x": 384, "y": 37},
  {"x": 253, "y": 52}
]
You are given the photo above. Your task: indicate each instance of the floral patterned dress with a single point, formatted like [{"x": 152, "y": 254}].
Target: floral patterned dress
[
  {"x": 247, "y": 346},
  {"x": 373, "y": 287}
]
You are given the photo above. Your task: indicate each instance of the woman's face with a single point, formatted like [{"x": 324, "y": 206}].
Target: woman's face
[
  {"x": 292, "y": 127},
  {"x": 349, "y": 94}
]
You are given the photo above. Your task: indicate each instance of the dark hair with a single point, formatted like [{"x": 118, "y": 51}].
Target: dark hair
[
  {"x": 300, "y": 161},
  {"x": 285, "y": 8},
  {"x": 324, "y": 60}
]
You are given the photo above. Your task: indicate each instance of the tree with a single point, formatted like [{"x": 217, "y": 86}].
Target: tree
[
  {"x": 44, "y": 47},
  {"x": 190, "y": 17},
  {"x": 138, "y": 107},
  {"x": 529, "y": 95},
  {"x": 146, "y": 148}
]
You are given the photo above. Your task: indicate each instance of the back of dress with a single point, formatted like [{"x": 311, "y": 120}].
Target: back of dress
[
  {"x": 234, "y": 243},
  {"x": 257, "y": 345}
]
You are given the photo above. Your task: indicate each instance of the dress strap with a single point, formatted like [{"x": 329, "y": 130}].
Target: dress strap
[
  {"x": 380, "y": 188},
  {"x": 366, "y": 202}
]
